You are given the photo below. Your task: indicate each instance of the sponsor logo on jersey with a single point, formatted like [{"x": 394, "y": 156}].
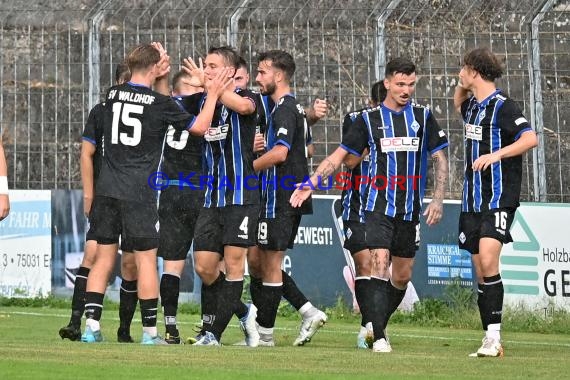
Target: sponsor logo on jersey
[
  {"x": 400, "y": 144},
  {"x": 474, "y": 132},
  {"x": 217, "y": 133}
]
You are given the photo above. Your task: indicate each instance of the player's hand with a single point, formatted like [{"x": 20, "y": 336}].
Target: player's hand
[
  {"x": 195, "y": 71},
  {"x": 4, "y": 206},
  {"x": 434, "y": 212},
  {"x": 484, "y": 161},
  {"x": 219, "y": 83},
  {"x": 164, "y": 64},
  {"x": 258, "y": 143},
  {"x": 302, "y": 192},
  {"x": 320, "y": 108}
]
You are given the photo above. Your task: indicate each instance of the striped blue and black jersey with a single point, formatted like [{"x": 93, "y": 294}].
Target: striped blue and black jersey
[
  {"x": 287, "y": 126},
  {"x": 93, "y": 133},
  {"x": 399, "y": 143},
  {"x": 183, "y": 152},
  {"x": 134, "y": 121},
  {"x": 228, "y": 151},
  {"x": 352, "y": 197},
  {"x": 494, "y": 123}
]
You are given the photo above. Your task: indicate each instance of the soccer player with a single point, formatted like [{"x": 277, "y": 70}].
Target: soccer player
[
  {"x": 284, "y": 164},
  {"x": 312, "y": 317},
  {"x": 90, "y": 165},
  {"x": 353, "y": 221},
  {"x": 135, "y": 121},
  {"x": 4, "y": 199},
  {"x": 180, "y": 202},
  {"x": 226, "y": 225},
  {"x": 496, "y": 136},
  {"x": 399, "y": 136}
]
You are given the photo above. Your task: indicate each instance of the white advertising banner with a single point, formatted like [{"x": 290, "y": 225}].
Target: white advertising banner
[
  {"x": 25, "y": 245},
  {"x": 536, "y": 267}
]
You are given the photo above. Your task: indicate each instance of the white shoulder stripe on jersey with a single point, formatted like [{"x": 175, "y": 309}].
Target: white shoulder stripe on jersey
[{"x": 520, "y": 121}]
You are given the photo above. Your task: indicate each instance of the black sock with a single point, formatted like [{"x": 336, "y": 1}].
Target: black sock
[
  {"x": 395, "y": 297},
  {"x": 379, "y": 307},
  {"x": 241, "y": 309},
  {"x": 255, "y": 285},
  {"x": 292, "y": 293},
  {"x": 494, "y": 294},
  {"x": 94, "y": 305},
  {"x": 267, "y": 310},
  {"x": 127, "y": 304},
  {"x": 78, "y": 300},
  {"x": 169, "y": 293},
  {"x": 209, "y": 301},
  {"x": 230, "y": 295},
  {"x": 149, "y": 311},
  {"x": 481, "y": 304},
  {"x": 363, "y": 288}
]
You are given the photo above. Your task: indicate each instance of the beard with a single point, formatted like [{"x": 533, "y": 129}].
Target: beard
[{"x": 268, "y": 90}]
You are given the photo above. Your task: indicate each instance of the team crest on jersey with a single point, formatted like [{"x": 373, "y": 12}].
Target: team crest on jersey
[
  {"x": 157, "y": 226},
  {"x": 300, "y": 109},
  {"x": 481, "y": 115},
  {"x": 462, "y": 238},
  {"x": 415, "y": 126},
  {"x": 217, "y": 133},
  {"x": 474, "y": 132}
]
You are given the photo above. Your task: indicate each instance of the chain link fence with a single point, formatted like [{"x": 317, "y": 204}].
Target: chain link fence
[{"x": 58, "y": 57}]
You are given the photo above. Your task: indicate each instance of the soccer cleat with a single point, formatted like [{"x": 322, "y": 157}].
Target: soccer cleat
[
  {"x": 124, "y": 336},
  {"x": 152, "y": 340},
  {"x": 90, "y": 336},
  {"x": 490, "y": 348},
  {"x": 365, "y": 340},
  {"x": 171, "y": 339},
  {"x": 381, "y": 345},
  {"x": 70, "y": 332},
  {"x": 208, "y": 339},
  {"x": 248, "y": 325},
  {"x": 266, "y": 341},
  {"x": 309, "y": 327}
]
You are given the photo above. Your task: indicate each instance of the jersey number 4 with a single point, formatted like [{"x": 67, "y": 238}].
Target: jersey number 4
[{"x": 123, "y": 113}]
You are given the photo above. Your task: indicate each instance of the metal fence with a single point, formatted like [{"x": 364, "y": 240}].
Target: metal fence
[{"x": 58, "y": 57}]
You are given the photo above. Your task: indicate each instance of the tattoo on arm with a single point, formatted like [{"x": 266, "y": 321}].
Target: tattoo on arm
[
  {"x": 441, "y": 174},
  {"x": 326, "y": 168}
]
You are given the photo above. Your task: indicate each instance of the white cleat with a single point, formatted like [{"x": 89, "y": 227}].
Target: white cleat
[
  {"x": 489, "y": 348},
  {"x": 381, "y": 345},
  {"x": 309, "y": 327},
  {"x": 249, "y": 326}
]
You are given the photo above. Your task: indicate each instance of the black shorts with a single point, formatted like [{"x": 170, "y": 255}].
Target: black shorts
[
  {"x": 90, "y": 235},
  {"x": 136, "y": 222},
  {"x": 400, "y": 237},
  {"x": 354, "y": 236},
  {"x": 178, "y": 212},
  {"x": 221, "y": 226},
  {"x": 278, "y": 234},
  {"x": 494, "y": 224}
]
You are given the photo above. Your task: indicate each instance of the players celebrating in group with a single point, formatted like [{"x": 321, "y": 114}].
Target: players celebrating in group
[{"x": 211, "y": 127}]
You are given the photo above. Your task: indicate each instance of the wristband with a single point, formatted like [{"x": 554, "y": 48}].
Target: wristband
[{"x": 3, "y": 185}]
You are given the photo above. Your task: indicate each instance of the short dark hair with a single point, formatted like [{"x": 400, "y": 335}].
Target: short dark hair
[
  {"x": 142, "y": 56},
  {"x": 378, "y": 92},
  {"x": 178, "y": 77},
  {"x": 281, "y": 60},
  {"x": 484, "y": 62},
  {"x": 228, "y": 53},
  {"x": 242, "y": 63},
  {"x": 400, "y": 65},
  {"x": 122, "y": 73}
]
